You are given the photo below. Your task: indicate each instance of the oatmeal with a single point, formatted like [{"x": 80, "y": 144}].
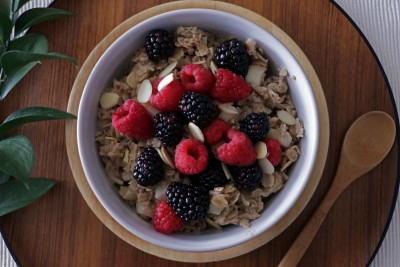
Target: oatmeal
[{"x": 170, "y": 125}]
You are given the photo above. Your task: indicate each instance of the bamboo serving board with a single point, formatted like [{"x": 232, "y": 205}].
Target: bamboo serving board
[
  {"x": 104, "y": 216},
  {"x": 68, "y": 226}
]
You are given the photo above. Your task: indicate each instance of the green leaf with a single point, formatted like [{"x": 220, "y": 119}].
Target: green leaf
[
  {"x": 2, "y": 49},
  {"x": 32, "y": 114},
  {"x": 34, "y": 42},
  {"x": 37, "y": 15},
  {"x": 17, "y": 157},
  {"x": 14, "y": 60},
  {"x": 4, "y": 177},
  {"x": 13, "y": 78},
  {"x": 5, "y": 7},
  {"x": 14, "y": 195},
  {"x": 5, "y": 28},
  {"x": 21, "y": 3}
]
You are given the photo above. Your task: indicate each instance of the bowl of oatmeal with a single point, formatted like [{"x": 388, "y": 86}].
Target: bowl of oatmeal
[{"x": 197, "y": 134}]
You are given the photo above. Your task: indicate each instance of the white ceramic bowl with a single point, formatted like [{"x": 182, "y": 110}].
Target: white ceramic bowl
[{"x": 111, "y": 64}]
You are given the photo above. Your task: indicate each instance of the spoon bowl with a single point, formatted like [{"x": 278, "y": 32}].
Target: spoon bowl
[
  {"x": 367, "y": 142},
  {"x": 369, "y": 139}
]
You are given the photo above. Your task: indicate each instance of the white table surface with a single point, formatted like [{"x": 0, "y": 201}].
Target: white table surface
[{"x": 379, "y": 21}]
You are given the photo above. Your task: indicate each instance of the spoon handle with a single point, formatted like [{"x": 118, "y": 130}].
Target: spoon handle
[{"x": 307, "y": 234}]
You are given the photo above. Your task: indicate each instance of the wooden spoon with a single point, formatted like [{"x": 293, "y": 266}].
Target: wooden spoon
[{"x": 367, "y": 142}]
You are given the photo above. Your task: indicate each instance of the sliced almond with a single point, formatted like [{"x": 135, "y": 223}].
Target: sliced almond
[
  {"x": 168, "y": 69},
  {"x": 250, "y": 44},
  {"x": 226, "y": 170},
  {"x": 196, "y": 132},
  {"x": 286, "y": 117},
  {"x": 165, "y": 81},
  {"x": 160, "y": 154},
  {"x": 213, "y": 224},
  {"x": 261, "y": 149},
  {"x": 270, "y": 180},
  {"x": 228, "y": 108},
  {"x": 167, "y": 158},
  {"x": 150, "y": 109},
  {"x": 285, "y": 139},
  {"x": 115, "y": 180},
  {"x": 287, "y": 164},
  {"x": 213, "y": 68},
  {"x": 126, "y": 157},
  {"x": 144, "y": 91},
  {"x": 266, "y": 166},
  {"x": 199, "y": 62},
  {"x": 244, "y": 200},
  {"x": 109, "y": 100},
  {"x": 255, "y": 74},
  {"x": 131, "y": 78}
]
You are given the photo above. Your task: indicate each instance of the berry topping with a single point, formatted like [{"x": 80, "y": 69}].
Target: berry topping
[
  {"x": 214, "y": 132},
  {"x": 195, "y": 77},
  {"x": 213, "y": 176},
  {"x": 159, "y": 44},
  {"x": 274, "y": 151},
  {"x": 229, "y": 87},
  {"x": 165, "y": 220},
  {"x": 132, "y": 120},
  {"x": 198, "y": 108},
  {"x": 248, "y": 177},
  {"x": 168, "y": 98},
  {"x": 256, "y": 126},
  {"x": 149, "y": 167},
  {"x": 168, "y": 128},
  {"x": 191, "y": 156},
  {"x": 189, "y": 201},
  {"x": 232, "y": 55},
  {"x": 238, "y": 151}
]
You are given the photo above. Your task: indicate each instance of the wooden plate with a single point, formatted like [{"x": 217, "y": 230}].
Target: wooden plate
[{"x": 101, "y": 213}]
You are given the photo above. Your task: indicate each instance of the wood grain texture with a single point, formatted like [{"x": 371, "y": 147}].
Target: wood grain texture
[
  {"x": 102, "y": 214},
  {"x": 365, "y": 145},
  {"x": 61, "y": 230}
]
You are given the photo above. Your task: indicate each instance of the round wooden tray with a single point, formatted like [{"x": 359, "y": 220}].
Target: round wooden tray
[{"x": 101, "y": 213}]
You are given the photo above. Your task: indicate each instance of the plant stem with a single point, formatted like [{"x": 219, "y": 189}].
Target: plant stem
[{"x": 1, "y": 82}]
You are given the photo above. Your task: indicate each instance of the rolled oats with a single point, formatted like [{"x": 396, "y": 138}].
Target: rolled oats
[{"x": 270, "y": 94}]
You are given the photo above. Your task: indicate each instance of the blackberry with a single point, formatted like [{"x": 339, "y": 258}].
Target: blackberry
[
  {"x": 232, "y": 55},
  {"x": 248, "y": 177},
  {"x": 149, "y": 167},
  {"x": 159, "y": 44},
  {"x": 256, "y": 126},
  {"x": 213, "y": 176},
  {"x": 168, "y": 128},
  {"x": 198, "y": 108},
  {"x": 189, "y": 201}
]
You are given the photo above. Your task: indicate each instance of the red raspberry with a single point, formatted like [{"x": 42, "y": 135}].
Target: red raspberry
[
  {"x": 165, "y": 220},
  {"x": 238, "y": 151},
  {"x": 191, "y": 156},
  {"x": 229, "y": 87},
  {"x": 132, "y": 120},
  {"x": 274, "y": 151},
  {"x": 168, "y": 98},
  {"x": 214, "y": 132},
  {"x": 195, "y": 77}
]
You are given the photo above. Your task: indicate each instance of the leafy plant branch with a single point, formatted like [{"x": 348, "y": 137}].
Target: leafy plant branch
[{"x": 19, "y": 54}]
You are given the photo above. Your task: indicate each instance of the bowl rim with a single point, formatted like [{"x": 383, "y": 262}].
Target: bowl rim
[{"x": 80, "y": 145}]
